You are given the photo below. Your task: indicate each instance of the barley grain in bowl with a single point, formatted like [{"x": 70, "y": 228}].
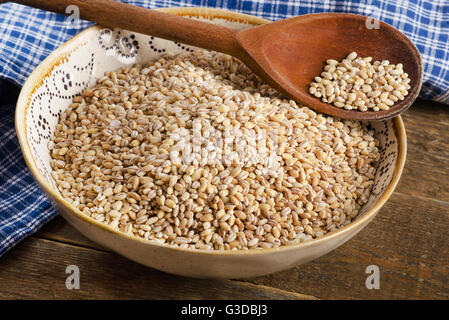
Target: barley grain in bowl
[
  {"x": 193, "y": 150},
  {"x": 123, "y": 167}
]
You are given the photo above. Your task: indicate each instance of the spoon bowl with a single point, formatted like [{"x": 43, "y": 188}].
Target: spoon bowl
[
  {"x": 287, "y": 54},
  {"x": 292, "y": 52}
]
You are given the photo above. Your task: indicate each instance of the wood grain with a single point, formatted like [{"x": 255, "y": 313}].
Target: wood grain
[
  {"x": 426, "y": 172},
  {"x": 427, "y": 126},
  {"x": 60, "y": 231},
  {"x": 419, "y": 179},
  {"x": 36, "y": 269}
]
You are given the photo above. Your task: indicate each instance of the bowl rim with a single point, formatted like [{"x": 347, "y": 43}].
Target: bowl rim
[{"x": 44, "y": 68}]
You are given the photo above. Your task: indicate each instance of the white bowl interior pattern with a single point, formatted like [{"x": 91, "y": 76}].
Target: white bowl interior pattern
[{"x": 79, "y": 63}]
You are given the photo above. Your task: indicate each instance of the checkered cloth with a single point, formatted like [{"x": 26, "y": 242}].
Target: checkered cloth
[
  {"x": 23, "y": 207},
  {"x": 28, "y": 35}
]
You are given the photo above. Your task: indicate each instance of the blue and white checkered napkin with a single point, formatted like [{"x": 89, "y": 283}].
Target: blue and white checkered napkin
[{"x": 28, "y": 35}]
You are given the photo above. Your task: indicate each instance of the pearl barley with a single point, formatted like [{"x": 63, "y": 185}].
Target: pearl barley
[
  {"x": 356, "y": 83},
  {"x": 194, "y": 151}
]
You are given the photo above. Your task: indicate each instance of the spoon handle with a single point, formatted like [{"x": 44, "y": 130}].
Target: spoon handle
[{"x": 114, "y": 14}]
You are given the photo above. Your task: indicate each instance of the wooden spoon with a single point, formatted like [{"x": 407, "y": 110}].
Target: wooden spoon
[{"x": 287, "y": 54}]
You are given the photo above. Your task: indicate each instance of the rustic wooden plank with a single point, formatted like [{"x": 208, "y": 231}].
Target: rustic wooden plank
[
  {"x": 428, "y": 111},
  {"x": 36, "y": 269},
  {"x": 59, "y": 230},
  {"x": 408, "y": 241},
  {"x": 428, "y": 180},
  {"x": 427, "y": 126},
  {"x": 426, "y": 172}
]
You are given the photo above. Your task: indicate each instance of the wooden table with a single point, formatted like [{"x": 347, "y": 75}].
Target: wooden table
[{"x": 408, "y": 241}]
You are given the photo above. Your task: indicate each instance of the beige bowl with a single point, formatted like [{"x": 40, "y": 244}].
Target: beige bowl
[{"x": 75, "y": 66}]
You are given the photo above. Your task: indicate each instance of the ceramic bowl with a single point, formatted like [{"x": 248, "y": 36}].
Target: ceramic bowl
[{"x": 79, "y": 62}]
